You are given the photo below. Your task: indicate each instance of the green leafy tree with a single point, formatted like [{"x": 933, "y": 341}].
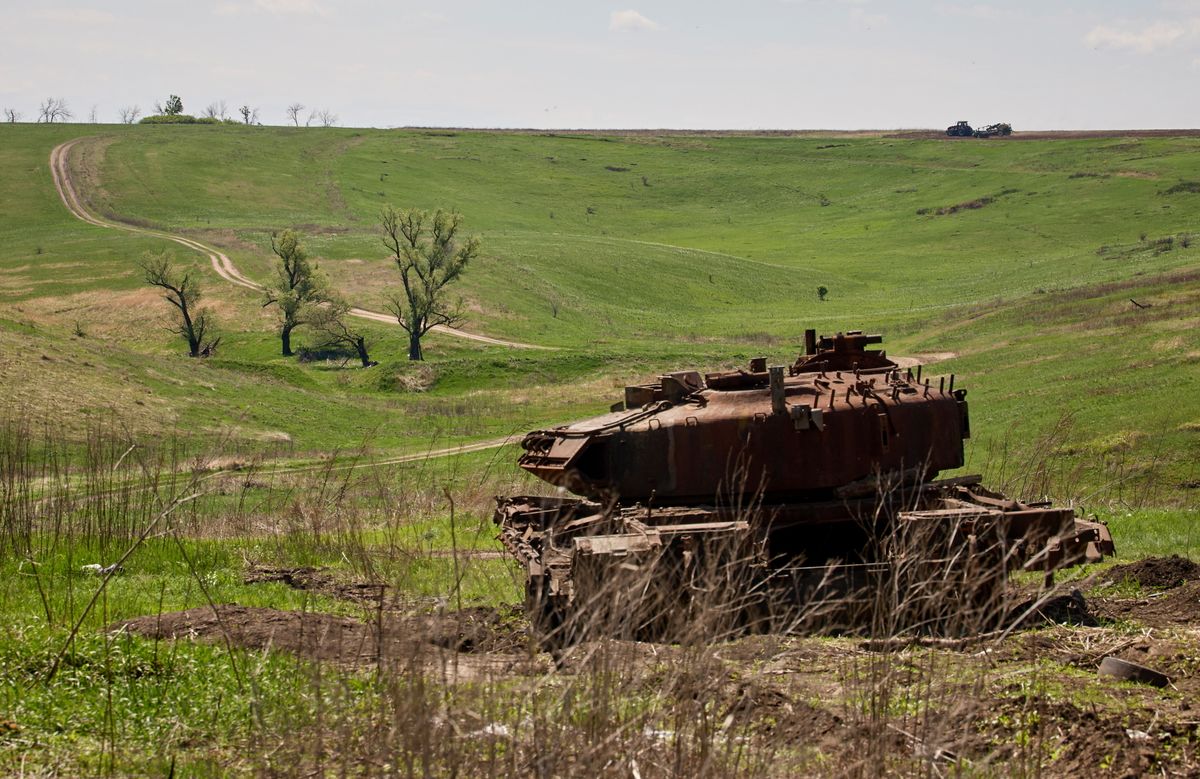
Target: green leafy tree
[
  {"x": 822, "y": 291},
  {"x": 173, "y": 106},
  {"x": 429, "y": 255},
  {"x": 196, "y": 325},
  {"x": 299, "y": 290}
]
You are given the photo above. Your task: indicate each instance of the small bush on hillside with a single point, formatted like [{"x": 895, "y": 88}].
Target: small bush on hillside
[
  {"x": 178, "y": 119},
  {"x": 1189, "y": 187},
  {"x": 186, "y": 119}
]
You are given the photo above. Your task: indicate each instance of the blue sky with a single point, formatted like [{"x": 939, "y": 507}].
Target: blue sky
[{"x": 752, "y": 64}]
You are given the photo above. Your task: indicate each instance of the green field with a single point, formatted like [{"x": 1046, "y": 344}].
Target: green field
[
  {"x": 1012, "y": 264},
  {"x": 631, "y": 255}
]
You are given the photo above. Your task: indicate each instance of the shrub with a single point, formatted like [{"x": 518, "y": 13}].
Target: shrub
[
  {"x": 180, "y": 119},
  {"x": 1189, "y": 187}
]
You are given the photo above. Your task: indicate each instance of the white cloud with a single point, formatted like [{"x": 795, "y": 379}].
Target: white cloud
[
  {"x": 84, "y": 16},
  {"x": 277, "y": 7},
  {"x": 1146, "y": 39},
  {"x": 630, "y": 20}
]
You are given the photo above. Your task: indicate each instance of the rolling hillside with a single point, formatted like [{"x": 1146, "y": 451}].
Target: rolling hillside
[
  {"x": 303, "y": 579},
  {"x": 630, "y": 254}
]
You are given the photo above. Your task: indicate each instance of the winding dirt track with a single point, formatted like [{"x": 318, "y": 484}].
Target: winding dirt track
[{"x": 61, "y": 172}]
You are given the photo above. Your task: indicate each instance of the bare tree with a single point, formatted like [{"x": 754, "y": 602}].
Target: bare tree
[
  {"x": 300, "y": 289},
  {"x": 249, "y": 115},
  {"x": 217, "y": 110},
  {"x": 330, "y": 321},
  {"x": 293, "y": 112},
  {"x": 182, "y": 289},
  {"x": 324, "y": 117},
  {"x": 12, "y": 115},
  {"x": 54, "y": 110},
  {"x": 130, "y": 114},
  {"x": 429, "y": 256},
  {"x": 92, "y": 115}
]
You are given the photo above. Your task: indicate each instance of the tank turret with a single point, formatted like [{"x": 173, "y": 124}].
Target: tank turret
[{"x": 840, "y": 414}]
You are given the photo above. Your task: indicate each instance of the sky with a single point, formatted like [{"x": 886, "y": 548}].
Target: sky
[{"x": 700, "y": 64}]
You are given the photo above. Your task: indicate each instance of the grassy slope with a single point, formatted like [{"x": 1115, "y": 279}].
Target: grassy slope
[
  {"x": 703, "y": 251},
  {"x": 1016, "y": 289},
  {"x": 746, "y": 212}
]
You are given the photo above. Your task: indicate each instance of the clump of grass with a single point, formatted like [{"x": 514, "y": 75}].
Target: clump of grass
[
  {"x": 410, "y": 378},
  {"x": 1119, "y": 441}
]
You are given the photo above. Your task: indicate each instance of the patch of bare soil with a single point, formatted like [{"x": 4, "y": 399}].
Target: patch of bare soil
[
  {"x": 338, "y": 639},
  {"x": 1163, "y": 572},
  {"x": 317, "y": 580},
  {"x": 927, "y": 358},
  {"x": 1084, "y": 739},
  {"x": 1070, "y": 609},
  {"x": 312, "y": 635},
  {"x": 1178, "y": 606}
]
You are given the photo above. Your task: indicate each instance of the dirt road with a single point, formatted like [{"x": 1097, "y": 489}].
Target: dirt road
[{"x": 61, "y": 171}]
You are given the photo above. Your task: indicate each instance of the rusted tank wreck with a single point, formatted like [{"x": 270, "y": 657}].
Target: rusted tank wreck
[{"x": 804, "y": 491}]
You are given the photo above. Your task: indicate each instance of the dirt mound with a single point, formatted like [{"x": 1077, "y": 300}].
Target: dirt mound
[
  {"x": 478, "y": 629},
  {"x": 345, "y": 640},
  {"x": 313, "y": 635},
  {"x": 1164, "y": 572},
  {"x": 1179, "y": 606},
  {"x": 1080, "y": 739},
  {"x": 316, "y": 580},
  {"x": 1071, "y": 609}
]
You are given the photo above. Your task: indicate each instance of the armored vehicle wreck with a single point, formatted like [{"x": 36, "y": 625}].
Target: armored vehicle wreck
[{"x": 806, "y": 490}]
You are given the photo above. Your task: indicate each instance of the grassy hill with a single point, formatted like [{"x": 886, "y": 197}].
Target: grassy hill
[
  {"x": 631, "y": 254},
  {"x": 1015, "y": 265},
  {"x": 642, "y": 237}
]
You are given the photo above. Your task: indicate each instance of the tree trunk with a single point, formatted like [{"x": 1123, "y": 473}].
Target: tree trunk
[
  {"x": 285, "y": 333},
  {"x": 189, "y": 328},
  {"x": 414, "y": 346},
  {"x": 360, "y": 345}
]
